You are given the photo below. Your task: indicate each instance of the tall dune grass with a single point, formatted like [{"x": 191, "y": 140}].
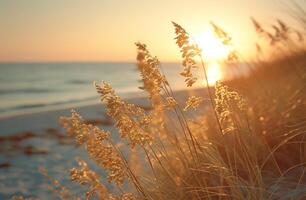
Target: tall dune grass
[{"x": 249, "y": 143}]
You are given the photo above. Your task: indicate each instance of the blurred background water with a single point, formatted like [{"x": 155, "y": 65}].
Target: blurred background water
[
  {"x": 26, "y": 87},
  {"x": 37, "y": 140}
]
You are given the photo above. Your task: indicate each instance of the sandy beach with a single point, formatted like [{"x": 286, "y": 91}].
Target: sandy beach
[
  {"x": 153, "y": 100},
  {"x": 32, "y": 140}
]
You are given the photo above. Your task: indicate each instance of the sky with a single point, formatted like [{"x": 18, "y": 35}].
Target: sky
[{"x": 105, "y": 30}]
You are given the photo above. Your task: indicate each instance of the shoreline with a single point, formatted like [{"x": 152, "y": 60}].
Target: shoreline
[
  {"x": 32, "y": 140},
  {"x": 48, "y": 118},
  {"x": 57, "y": 107}
]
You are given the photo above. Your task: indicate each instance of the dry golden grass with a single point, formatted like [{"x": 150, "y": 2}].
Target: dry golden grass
[{"x": 249, "y": 145}]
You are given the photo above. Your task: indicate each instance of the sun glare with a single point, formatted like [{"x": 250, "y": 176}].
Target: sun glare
[
  {"x": 214, "y": 73},
  {"x": 212, "y": 48}
]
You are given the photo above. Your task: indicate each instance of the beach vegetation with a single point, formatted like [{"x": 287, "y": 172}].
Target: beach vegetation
[{"x": 237, "y": 139}]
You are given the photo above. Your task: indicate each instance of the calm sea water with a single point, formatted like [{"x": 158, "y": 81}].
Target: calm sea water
[
  {"x": 26, "y": 87},
  {"x": 29, "y": 87},
  {"x": 41, "y": 86},
  {"x": 34, "y": 87}
]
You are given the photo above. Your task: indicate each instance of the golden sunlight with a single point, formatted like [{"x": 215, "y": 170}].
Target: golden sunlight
[
  {"x": 212, "y": 48},
  {"x": 214, "y": 73}
]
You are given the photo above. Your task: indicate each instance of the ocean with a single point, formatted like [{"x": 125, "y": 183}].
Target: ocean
[
  {"x": 28, "y": 142},
  {"x": 30, "y": 87}
]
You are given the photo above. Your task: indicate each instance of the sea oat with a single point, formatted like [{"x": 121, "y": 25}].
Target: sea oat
[
  {"x": 258, "y": 48},
  {"x": 227, "y": 102},
  {"x": 153, "y": 83},
  {"x": 226, "y": 40},
  {"x": 189, "y": 52},
  {"x": 125, "y": 119},
  {"x": 257, "y": 26},
  {"x": 97, "y": 146},
  {"x": 282, "y": 32},
  {"x": 170, "y": 103},
  {"x": 193, "y": 102},
  {"x": 285, "y": 29},
  {"x": 75, "y": 127},
  {"x": 85, "y": 176},
  {"x": 149, "y": 71},
  {"x": 219, "y": 164},
  {"x": 107, "y": 158},
  {"x": 221, "y": 34}
]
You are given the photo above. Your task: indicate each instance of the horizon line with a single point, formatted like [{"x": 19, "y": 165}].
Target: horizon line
[{"x": 73, "y": 61}]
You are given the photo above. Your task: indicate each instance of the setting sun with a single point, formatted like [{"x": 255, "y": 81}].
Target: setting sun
[
  {"x": 212, "y": 48},
  {"x": 214, "y": 73},
  {"x": 153, "y": 100}
]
